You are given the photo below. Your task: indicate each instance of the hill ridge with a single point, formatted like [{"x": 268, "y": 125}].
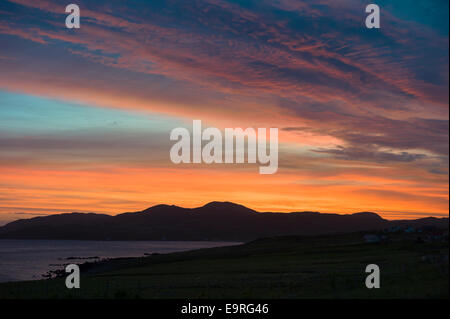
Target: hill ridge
[{"x": 212, "y": 221}]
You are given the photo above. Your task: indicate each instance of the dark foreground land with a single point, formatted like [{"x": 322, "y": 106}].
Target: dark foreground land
[{"x": 280, "y": 267}]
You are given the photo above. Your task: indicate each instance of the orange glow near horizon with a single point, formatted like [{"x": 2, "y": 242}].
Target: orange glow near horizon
[{"x": 118, "y": 190}]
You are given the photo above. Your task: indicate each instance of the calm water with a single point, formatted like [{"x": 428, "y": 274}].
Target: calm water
[{"x": 29, "y": 259}]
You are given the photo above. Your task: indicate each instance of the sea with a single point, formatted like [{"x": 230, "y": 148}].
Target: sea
[{"x": 31, "y": 259}]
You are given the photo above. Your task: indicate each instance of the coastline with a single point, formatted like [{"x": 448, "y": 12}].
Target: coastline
[
  {"x": 37, "y": 259},
  {"x": 277, "y": 267}
]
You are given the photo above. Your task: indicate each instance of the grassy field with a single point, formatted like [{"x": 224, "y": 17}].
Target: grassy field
[{"x": 282, "y": 267}]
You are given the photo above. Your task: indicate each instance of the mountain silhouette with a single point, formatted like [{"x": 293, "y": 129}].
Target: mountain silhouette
[{"x": 213, "y": 221}]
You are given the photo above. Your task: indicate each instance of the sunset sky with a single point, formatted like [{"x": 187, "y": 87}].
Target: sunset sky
[{"x": 85, "y": 114}]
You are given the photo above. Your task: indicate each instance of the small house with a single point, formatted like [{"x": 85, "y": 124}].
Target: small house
[{"x": 372, "y": 238}]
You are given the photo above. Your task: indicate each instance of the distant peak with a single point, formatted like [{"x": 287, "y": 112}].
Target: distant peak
[
  {"x": 229, "y": 206},
  {"x": 368, "y": 215},
  {"x": 160, "y": 207},
  {"x": 217, "y": 204}
]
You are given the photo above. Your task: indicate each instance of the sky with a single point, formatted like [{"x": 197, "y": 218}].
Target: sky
[{"x": 86, "y": 114}]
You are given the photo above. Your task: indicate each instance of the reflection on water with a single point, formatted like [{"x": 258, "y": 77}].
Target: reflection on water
[{"x": 30, "y": 259}]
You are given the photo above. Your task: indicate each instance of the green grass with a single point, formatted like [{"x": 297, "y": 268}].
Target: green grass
[{"x": 283, "y": 267}]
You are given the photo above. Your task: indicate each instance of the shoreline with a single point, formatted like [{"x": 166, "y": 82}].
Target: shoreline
[
  {"x": 34, "y": 260},
  {"x": 276, "y": 267}
]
